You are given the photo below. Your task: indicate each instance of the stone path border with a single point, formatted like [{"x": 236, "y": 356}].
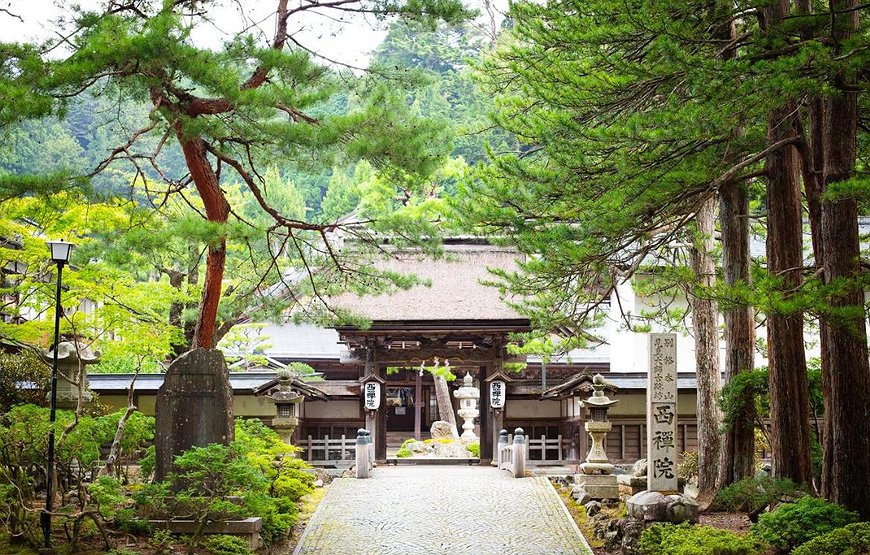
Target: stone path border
[{"x": 456, "y": 510}]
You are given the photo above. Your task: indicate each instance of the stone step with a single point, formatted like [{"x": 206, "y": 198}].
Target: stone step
[{"x": 416, "y": 461}]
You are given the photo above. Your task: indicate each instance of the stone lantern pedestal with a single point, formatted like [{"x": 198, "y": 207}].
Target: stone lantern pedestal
[
  {"x": 468, "y": 411},
  {"x": 596, "y": 475}
]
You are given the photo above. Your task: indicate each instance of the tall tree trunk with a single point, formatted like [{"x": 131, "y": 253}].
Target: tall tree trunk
[
  {"x": 789, "y": 390},
  {"x": 737, "y": 449},
  {"x": 217, "y": 210},
  {"x": 705, "y": 323},
  {"x": 846, "y": 479},
  {"x": 445, "y": 405},
  {"x": 738, "y": 444}
]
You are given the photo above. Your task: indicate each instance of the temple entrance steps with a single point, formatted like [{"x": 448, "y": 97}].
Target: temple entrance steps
[{"x": 429, "y": 510}]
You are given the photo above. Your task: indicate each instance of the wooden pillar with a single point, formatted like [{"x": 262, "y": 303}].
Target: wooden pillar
[
  {"x": 381, "y": 424},
  {"x": 486, "y": 418},
  {"x": 418, "y": 405}
]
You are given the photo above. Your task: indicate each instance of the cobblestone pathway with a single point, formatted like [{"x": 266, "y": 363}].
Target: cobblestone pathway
[{"x": 429, "y": 510}]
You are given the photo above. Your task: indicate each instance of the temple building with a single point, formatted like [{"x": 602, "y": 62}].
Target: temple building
[{"x": 453, "y": 321}]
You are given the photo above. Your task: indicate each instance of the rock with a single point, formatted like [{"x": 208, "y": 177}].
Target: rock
[
  {"x": 318, "y": 483},
  {"x": 631, "y": 531},
  {"x": 320, "y": 475},
  {"x": 655, "y": 506},
  {"x": 452, "y": 450},
  {"x": 639, "y": 468},
  {"x": 580, "y": 495},
  {"x": 419, "y": 448},
  {"x": 441, "y": 430},
  {"x": 592, "y": 508}
]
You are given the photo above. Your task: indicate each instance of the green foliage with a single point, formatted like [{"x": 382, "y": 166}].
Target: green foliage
[
  {"x": 751, "y": 495},
  {"x": 474, "y": 449},
  {"x": 793, "y": 524},
  {"x": 690, "y": 539},
  {"x": 161, "y": 541},
  {"x": 19, "y": 369},
  {"x": 257, "y": 468},
  {"x": 404, "y": 453},
  {"x": 220, "y": 544},
  {"x": 853, "y": 539}
]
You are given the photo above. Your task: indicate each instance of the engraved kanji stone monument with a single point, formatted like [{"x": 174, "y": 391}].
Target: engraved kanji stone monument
[{"x": 662, "y": 500}]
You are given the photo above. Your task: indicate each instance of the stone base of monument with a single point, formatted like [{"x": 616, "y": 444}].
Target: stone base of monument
[
  {"x": 657, "y": 506},
  {"x": 630, "y": 485},
  {"x": 598, "y": 486}
]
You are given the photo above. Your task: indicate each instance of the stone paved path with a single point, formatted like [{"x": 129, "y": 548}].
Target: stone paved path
[{"x": 428, "y": 510}]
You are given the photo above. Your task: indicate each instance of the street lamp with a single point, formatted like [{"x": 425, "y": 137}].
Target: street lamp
[{"x": 60, "y": 251}]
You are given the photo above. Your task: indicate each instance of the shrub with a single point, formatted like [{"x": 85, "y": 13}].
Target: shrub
[
  {"x": 226, "y": 545},
  {"x": 752, "y": 495},
  {"x": 403, "y": 453},
  {"x": 162, "y": 541},
  {"x": 793, "y": 524},
  {"x": 689, "y": 539},
  {"x": 853, "y": 539},
  {"x": 474, "y": 449}
]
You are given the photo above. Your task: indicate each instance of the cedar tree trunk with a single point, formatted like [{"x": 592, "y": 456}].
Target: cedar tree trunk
[
  {"x": 705, "y": 323},
  {"x": 737, "y": 459},
  {"x": 846, "y": 478}
]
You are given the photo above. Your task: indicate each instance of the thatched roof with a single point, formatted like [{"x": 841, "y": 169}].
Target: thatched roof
[{"x": 456, "y": 291}]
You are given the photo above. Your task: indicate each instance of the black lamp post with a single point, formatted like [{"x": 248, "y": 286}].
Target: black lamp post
[{"x": 60, "y": 251}]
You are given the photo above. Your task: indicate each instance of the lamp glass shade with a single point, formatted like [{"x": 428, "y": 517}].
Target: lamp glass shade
[{"x": 60, "y": 250}]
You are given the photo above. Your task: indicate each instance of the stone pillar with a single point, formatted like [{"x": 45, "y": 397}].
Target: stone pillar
[
  {"x": 380, "y": 429},
  {"x": 71, "y": 358},
  {"x": 194, "y": 406},
  {"x": 662, "y": 500}
]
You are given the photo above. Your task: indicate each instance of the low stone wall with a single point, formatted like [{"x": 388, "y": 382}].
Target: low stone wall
[{"x": 247, "y": 528}]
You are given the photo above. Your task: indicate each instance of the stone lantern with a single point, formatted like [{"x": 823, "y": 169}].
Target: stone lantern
[
  {"x": 596, "y": 471},
  {"x": 286, "y": 406},
  {"x": 70, "y": 358},
  {"x": 468, "y": 411}
]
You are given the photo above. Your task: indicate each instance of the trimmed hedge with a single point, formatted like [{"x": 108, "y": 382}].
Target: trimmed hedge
[
  {"x": 853, "y": 539},
  {"x": 689, "y": 539},
  {"x": 793, "y": 524}
]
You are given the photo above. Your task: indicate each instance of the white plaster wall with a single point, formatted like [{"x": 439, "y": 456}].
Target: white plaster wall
[
  {"x": 522, "y": 408},
  {"x": 331, "y": 409}
]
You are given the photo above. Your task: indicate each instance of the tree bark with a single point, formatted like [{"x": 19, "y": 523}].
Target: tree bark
[
  {"x": 705, "y": 323},
  {"x": 737, "y": 449},
  {"x": 737, "y": 459},
  {"x": 445, "y": 404},
  {"x": 846, "y": 371},
  {"x": 217, "y": 210},
  {"x": 789, "y": 389}
]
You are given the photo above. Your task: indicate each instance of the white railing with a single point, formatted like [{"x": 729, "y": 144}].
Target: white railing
[
  {"x": 339, "y": 449},
  {"x": 543, "y": 444}
]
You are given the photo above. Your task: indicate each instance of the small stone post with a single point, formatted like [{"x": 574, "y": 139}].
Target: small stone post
[
  {"x": 518, "y": 460},
  {"x": 362, "y": 454},
  {"x": 502, "y": 443}
]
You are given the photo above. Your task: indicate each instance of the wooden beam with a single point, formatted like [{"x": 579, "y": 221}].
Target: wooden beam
[{"x": 413, "y": 357}]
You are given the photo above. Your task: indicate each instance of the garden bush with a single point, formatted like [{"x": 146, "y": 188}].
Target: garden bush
[
  {"x": 752, "y": 495},
  {"x": 853, "y": 539},
  {"x": 220, "y": 544},
  {"x": 689, "y": 539},
  {"x": 474, "y": 449},
  {"x": 793, "y": 524}
]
